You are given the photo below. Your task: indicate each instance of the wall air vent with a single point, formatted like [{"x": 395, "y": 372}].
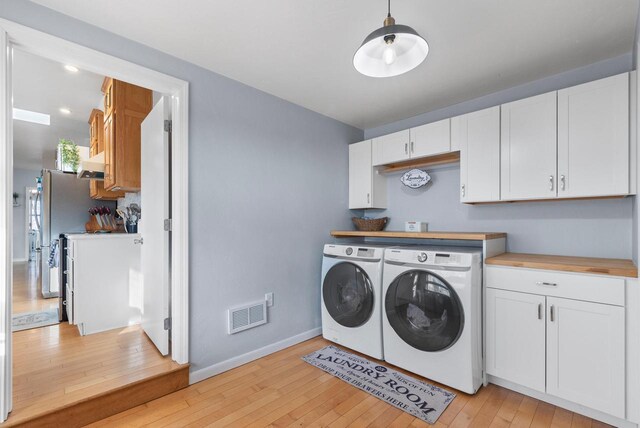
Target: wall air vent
[{"x": 247, "y": 316}]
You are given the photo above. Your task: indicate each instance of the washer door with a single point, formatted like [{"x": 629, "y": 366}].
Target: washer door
[
  {"x": 348, "y": 294},
  {"x": 424, "y": 310}
]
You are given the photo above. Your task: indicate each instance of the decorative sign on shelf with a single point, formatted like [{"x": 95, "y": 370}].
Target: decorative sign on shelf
[{"x": 415, "y": 178}]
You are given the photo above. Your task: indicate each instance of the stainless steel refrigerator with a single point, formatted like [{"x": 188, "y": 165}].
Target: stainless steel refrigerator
[{"x": 65, "y": 204}]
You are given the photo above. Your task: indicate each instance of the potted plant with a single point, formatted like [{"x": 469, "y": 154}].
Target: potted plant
[{"x": 69, "y": 154}]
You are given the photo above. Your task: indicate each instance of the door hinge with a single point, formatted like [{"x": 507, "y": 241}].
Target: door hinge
[
  {"x": 167, "y": 224},
  {"x": 167, "y": 323},
  {"x": 167, "y": 126}
]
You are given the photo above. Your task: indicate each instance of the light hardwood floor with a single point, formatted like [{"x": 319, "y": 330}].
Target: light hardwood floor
[
  {"x": 281, "y": 390},
  {"x": 26, "y": 289}
]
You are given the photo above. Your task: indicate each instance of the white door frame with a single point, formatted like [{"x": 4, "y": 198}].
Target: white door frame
[{"x": 57, "y": 49}]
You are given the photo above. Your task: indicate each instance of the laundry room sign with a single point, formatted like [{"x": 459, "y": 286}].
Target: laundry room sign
[{"x": 420, "y": 399}]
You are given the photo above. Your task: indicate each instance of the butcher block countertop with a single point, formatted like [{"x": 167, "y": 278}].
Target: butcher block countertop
[
  {"x": 462, "y": 236},
  {"x": 613, "y": 267}
]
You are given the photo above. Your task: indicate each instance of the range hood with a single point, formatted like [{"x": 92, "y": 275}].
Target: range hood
[{"x": 92, "y": 168}]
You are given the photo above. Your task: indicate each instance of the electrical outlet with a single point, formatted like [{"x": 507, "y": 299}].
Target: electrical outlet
[{"x": 269, "y": 299}]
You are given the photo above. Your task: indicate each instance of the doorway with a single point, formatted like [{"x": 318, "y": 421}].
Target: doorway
[{"x": 13, "y": 35}]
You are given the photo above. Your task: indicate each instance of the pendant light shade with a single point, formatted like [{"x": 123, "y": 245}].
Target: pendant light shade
[{"x": 390, "y": 51}]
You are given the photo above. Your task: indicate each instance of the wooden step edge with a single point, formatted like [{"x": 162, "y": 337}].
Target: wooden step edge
[{"x": 109, "y": 403}]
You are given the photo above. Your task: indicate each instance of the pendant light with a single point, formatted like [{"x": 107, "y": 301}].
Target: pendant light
[{"x": 391, "y": 50}]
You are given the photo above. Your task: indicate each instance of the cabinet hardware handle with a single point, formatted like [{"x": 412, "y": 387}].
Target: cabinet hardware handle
[
  {"x": 547, "y": 284},
  {"x": 463, "y": 190},
  {"x": 551, "y": 182},
  {"x": 138, "y": 241},
  {"x": 539, "y": 311},
  {"x": 552, "y": 314},
  {"x": 406, "y": 149},
  {"x": 562, "y": 185},
  {"x": 368, "y": 198},
  {"x": 412, "y": 147}
]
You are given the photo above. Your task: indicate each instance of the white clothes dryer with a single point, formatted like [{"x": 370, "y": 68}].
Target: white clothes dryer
[
  {"x": 351, "y": 290},
  {"x": 432, "y": 322}
]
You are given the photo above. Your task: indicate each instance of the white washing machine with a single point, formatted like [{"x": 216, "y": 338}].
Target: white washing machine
[
  {"x": 432, "y": 322},
  {"x": 352, "y": 296}
]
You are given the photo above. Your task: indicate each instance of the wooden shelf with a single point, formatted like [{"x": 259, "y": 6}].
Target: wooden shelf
[
  {"x": 461, "y": 236},
  {"x": 614, "y": 267},
  {"x": 422, "y": 162}
]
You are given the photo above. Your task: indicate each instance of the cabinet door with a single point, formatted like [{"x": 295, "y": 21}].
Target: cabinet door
[
  {"x": 430, "y": 139},
  {"x": 477, "y": 135},
  {"x": 586, "y": 354},
  {"x": 360, "y": 177},
  {"x": 516, "y": 337},
  {"x": 528, "y": 147},
  {"x": 593, "y": 138},
  {"x": 391, "y": 148},
  {"x": 109, "y": 151}
]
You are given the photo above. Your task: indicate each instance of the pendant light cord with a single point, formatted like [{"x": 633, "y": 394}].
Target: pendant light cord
[{"x": 389, "y": 8}]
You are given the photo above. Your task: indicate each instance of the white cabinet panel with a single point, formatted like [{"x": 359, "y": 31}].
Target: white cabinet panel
[
  {"x": 391, "y": 148},
  {"x": 477, "y": 135},
  {"x": 593, "y": 138},
  {"x": 515, "y": 337},
  {"x": 528, "y": 148},
  {"x": 367, "y": 188},
  {"x": 586, "y": 354},
  {"x": 430, "y": 139}
]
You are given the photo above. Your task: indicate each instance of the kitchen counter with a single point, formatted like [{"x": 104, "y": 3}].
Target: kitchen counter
[
  {"x": 103, "y": 235},
  {"x": 613, "y": 267},
  {"x": 460, "y": 236}
]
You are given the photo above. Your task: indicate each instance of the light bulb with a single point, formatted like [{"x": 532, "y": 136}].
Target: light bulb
[{"x": 389, "y": 55}]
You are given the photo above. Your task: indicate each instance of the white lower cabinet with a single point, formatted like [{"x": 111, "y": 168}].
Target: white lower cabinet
[{"x": 555, "y": 343}]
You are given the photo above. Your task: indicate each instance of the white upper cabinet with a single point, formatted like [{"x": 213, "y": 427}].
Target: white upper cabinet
[
  {"x": 430, "y": 139},
  {"x": 593, "y": 138},
  {"x": 528, "y": 147},
  {"x": 391, "y": 148},
  {"x": 477, "y": 136},
  {"x": 367, "y": 188}
]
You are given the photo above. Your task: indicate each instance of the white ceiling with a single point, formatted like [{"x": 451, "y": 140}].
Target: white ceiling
[
  {"x": 302, "y": 50},
  {"x": 44, "y": 86}
]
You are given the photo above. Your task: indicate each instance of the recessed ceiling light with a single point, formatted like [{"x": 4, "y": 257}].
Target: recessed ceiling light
[
  {"x": 71, "y": 68},
  {"x": 31, "y": 116},
  {"x": 65, "y": 110}
]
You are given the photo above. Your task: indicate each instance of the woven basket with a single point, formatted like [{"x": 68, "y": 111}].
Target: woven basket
[{"x": 370, "y": 224}]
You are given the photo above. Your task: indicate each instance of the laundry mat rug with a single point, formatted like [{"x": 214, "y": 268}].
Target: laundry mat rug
[
  {"x": 420, "y": 399},
  {"x": 34, "y": 319}
]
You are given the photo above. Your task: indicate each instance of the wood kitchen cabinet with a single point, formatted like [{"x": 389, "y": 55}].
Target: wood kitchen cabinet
[
  {"x": 477, "y": 136},
  {"x": 126, "y": 106},
  {"x": 96, "y": 134},
  {"x": 558, "y": 333},
  {"x": 528, "y": 148},
  {"x": 593, "y": 138},
  {"x": 367, "y": 188}
]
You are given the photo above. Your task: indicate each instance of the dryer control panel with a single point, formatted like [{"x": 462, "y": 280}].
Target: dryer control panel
[
  {"x": 449, "y": 257},
  {"x": 354, "y": 251}
]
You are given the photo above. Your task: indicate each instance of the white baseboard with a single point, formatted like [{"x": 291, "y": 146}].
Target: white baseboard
[
  {"x": 20, "y": 260},
  {"x": 559, "y": 402},
  {"x": 207, "y": 372}
]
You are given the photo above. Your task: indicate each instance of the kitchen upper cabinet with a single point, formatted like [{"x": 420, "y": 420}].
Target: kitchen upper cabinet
[
  {"x": 367, "y": 188},
  {"x": 593, "y": 138},
  {"x": 391, "y": 148},
  {"x": 585, "y": 354},
  {"x": 477, "y": 135},
  {"x": 96, "y": 133},
  {"x": 515, "y": 337},
  {"x": 528, "y": 148},
  {"x": 126, "y": 106},
  {"x": 430, "y": 139}
]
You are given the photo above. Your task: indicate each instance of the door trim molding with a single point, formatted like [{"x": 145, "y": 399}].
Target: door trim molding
[{"x": 61, "y": 50}]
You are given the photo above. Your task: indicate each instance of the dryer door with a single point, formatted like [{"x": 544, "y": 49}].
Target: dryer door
[
  {"x": 424, "y": 310},
  {"x": 348, "y": 294}
]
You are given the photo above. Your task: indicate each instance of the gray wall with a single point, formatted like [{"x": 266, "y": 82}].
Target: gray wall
[
  {"x": 267, "y": 183},
  {"x": 598, "y": 228},
  {"x": 22, "y": 178}
]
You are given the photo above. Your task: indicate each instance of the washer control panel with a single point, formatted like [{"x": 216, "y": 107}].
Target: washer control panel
[
  {"x": 353, "y": 251},
  {"x": 451, "y": 257}
]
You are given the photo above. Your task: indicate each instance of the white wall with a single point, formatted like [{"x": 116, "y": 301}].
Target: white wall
[{"x": 22, "y": 178}]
